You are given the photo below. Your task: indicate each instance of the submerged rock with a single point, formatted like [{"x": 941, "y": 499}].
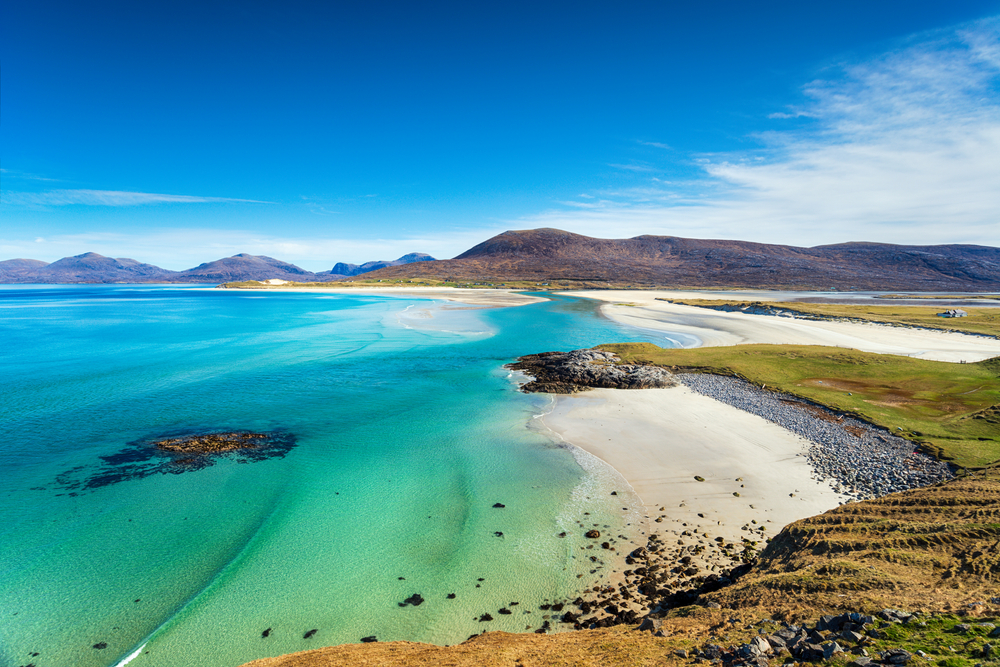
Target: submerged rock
[
  {"x": 211, "y": 443},
  {"x": 416, "y": 600},
  {"x": 186, "y": 452}
]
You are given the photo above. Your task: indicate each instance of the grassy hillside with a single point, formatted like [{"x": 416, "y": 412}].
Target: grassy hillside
[
  {"x": 952, "y": 409},
  {"x": 980, "y": 320},
  {"x": 935, "y": 548}
]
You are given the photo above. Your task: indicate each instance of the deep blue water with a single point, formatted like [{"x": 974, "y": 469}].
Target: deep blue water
[{"x": 406, "y": 431}]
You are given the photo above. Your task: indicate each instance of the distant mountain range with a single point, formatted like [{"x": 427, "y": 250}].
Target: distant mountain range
[
  {"x": 543, "y": 255},
  {"x": 93, "y": 268},
  {"x": 340, "y": 268},
  {"x": 562, "y": 258}
]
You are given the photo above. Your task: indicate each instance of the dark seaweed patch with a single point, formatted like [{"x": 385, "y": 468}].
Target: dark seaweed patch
[{"x": 143, "y": 458}]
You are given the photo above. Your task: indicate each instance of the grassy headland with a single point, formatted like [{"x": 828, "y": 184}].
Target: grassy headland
[
  {"x": 984, "y": 321},
  {"x": 953, "y": 410}
]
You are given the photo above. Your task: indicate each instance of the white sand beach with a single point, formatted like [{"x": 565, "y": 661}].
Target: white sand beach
[
  {"x": 704, "y": 327},
  {"x": 660, "y": 439}
]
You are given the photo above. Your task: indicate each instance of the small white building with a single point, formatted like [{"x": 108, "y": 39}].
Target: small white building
[{"x": 953, "y": 313}]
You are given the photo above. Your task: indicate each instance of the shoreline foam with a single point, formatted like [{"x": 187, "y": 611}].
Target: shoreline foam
[{"x": 485, "y": 298}]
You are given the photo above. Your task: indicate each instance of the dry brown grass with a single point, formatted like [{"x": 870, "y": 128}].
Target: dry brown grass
[
  {"x": 936, "y": 548},
  {"x": 586, "y": 648}
]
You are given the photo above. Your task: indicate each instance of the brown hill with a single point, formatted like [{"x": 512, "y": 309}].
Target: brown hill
[
  {"x": 17, "y": 268},
  {"x": 91, "y": 267},
  {"x": 345, "y": 269},
  {"x": 544, "y": 255},
  {"x": 248, "y": 267},
  {"x": 86, "y": 268}
]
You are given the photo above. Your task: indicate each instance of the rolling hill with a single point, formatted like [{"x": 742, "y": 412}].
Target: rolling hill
[{"x": 542, "y": 255}]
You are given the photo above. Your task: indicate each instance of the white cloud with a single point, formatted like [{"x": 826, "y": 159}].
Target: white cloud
[
  {"x": 108, "y": 198},
  {"x": 633, "y": 167},
  {"x": 656, "y": 144},
  {"x": 23, "y": 175},
  {"x": 903, "y": 148}
]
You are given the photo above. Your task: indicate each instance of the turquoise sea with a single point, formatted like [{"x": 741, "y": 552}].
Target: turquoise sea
[{"x": 402, "y": 431}]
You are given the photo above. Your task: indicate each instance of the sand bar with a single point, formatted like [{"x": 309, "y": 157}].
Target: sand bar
[
  {"x": 704, "y": 327},
  {"x": 660, "y": 439},
  {"x": 487, "y": 298}
]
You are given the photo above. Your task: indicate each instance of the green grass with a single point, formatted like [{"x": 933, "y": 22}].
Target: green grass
[
  {"x": 953, "y": 410},
  {"x": 980, "y": 320},
  {"x": 939, "y": 639}
]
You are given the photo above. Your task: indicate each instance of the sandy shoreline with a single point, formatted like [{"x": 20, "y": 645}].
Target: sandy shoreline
[
  {"x": 709, "y": 328},
  {"x": 661, "y": 439},
  {"x": 487, "y": 298}
]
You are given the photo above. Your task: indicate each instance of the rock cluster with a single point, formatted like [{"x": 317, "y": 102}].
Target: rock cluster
[
  {"x": 212, "y": 443},
  {"x": 180, "y": 453},
  {"x": 662, "y": 575},
  {"x": 847, "y": 633},
  {"x": 864, "y": 461},
  {"x": 575, "y": 371}
]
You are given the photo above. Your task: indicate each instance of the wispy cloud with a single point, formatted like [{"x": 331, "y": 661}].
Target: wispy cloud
[
  {"x": 634, "y": 167},
  {"x": 109, "y": 198},
  {"x": 900, "y": 148},
  {"x": 23, "y": 175}
]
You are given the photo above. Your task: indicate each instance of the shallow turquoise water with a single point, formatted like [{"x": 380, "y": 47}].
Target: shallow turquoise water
[{"x": 407, "y": 431}]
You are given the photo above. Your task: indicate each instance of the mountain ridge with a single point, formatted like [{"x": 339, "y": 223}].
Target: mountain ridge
[
  {"x": 551, "y": 255},
  {"x": 670, "y": 261},
  {"x": 91, "y": 267}
]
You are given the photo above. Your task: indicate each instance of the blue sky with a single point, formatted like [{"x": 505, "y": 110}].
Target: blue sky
[{"x": 319, "y": 132}]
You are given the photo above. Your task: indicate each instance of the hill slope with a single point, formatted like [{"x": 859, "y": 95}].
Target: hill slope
[
  {"x": 555, "y": 255},
  {"x": 246, "y": 267},
  {"x": 91, "y": 267},
  {"x": 344, "y": 269},
  {"x": 86, "y": 268}
]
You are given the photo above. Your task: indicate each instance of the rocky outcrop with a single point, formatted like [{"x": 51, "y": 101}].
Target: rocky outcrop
[
  {"x": 180, "y": 453},
  {"x": 578, "y": 370},
  {"x": 212, "y": 443}
]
